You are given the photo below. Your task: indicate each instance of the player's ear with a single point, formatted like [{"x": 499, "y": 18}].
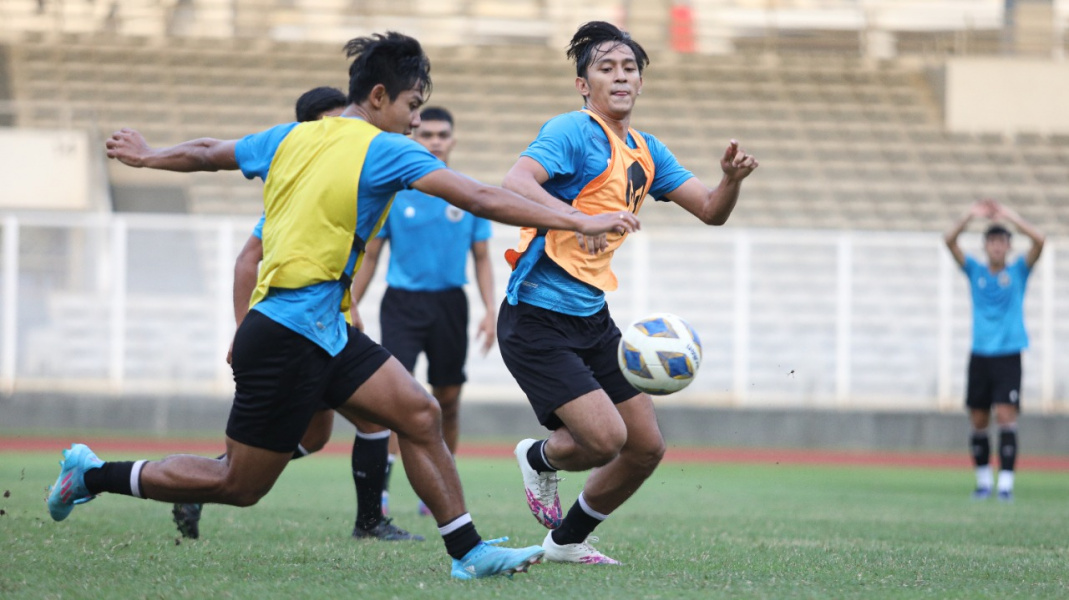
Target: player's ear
[
  {"x": 582, "y": 86},
  {"x": 378, "y": 97}
]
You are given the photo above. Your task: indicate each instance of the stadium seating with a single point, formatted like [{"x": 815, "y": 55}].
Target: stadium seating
[{"x": 844, "y": 143}]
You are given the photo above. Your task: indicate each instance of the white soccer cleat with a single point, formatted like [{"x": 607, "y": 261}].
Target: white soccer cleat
[
  {"x": 582, "y": 552},
  {"x": 541, "y": 489}
]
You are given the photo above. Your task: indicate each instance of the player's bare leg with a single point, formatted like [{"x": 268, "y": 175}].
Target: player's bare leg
[
  {"x": 448, "y": 397},
  {"x": 241, "y": 478},
  {"x": 392, "y": 398}
]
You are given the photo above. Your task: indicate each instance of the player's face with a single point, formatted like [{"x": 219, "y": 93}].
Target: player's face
[
  {"x": 402, "y": 114},
  {"x": 436, "y": 136},
  {"x": 612, "y": 81},
  {"x": 997, "y": 247}
]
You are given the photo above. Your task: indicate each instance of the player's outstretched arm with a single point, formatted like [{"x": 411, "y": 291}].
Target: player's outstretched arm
[
  {"x": 362, "y": 278},
  {"x": 129, "y": 147},
  {"x": 982, "y": 209},
  {"x": 526, "y": 178},
  {"x": 714, "y": 206},
  {"x": 1004, "y": 212},
  {"x": 503, "y": 206}
]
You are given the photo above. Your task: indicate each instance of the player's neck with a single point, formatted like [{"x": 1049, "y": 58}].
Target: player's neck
[
  {"x": 995, "y": 267},
  {"x": 619, "y": 126}
]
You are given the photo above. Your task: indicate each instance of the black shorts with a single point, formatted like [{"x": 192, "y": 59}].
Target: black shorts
[
  {"x": 994, "y": 380},
  {"x": 557, "y": 357},
  {"x": 435, "y": 323},
  {"x": 282, "y": 378}
]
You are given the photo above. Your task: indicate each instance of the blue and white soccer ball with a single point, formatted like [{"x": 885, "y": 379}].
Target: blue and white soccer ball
[{"x": 660, "y": 354}]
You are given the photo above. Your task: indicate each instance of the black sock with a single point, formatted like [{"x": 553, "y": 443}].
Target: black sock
[
  {"x": 980, "y": 446},
  {"x": 1007, "y": 448},
  {"x": 536, "y": 458},
  {"x": 461, "y": 537},
  {"x": 369, "y": 470},
  {"x": 390, "y": 458},
  {"x": 576, "y": 526},
  {"x": 113, "y": 477}
]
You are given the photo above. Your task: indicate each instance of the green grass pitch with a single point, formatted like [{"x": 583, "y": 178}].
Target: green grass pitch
[{"x": 694, "y": 531}]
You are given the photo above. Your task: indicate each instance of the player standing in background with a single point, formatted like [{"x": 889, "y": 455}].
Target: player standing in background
[
  {"x": 425, "y": 308},
  {"x": 369, "y": 448},
  {"x": 327, "y": 187},
  {"x": 998, "y": 337},
  {"x": 555, "y": 331}
]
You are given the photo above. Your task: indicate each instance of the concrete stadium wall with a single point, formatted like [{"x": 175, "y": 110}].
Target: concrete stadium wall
[
  {"x": 1006, "y": 95},
  {"x": 747, "y": 428}
]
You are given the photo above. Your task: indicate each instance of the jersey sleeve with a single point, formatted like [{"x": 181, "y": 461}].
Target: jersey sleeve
[
  {"x": 669, "y": 174},
  {"x": 258, "y": 229},
  {"x": 970, "y": 266},
  {"x": 558, "y": 146},
  {"x": 255, "y": 152},
  {"x": 1021, "y": 265},
  {"x": 482, "y": 230},
  {"x": 394, "y": 162}
]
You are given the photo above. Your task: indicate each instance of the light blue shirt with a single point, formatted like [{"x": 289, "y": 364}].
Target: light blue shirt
[
  {"x": 998, "y": 307},
  {"x": 573, "y": 149},
  {"x": 429, "y": 242},
  {"x": 393, "y": 163}
]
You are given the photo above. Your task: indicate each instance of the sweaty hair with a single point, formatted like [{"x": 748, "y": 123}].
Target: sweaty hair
[
  {"x": 317, "y": 101},
  {"x": 583, "y": 49},
  {"x": 436, "y": 113},
  {"x": 392, "y": 59}
]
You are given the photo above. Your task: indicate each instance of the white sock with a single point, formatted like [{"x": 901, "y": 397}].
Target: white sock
[
  {"x": 985, "y": 477},
  {"x": 1005, "y": 481}
]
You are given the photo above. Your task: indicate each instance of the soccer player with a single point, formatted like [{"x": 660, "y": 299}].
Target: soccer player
[
  {"x": 369, "y": 454},
  {"x": 327, "y": 187},
  {"x": 555, "y": 332},
  {"x": 998, "y": 337},
  {"x": 425, "y": 308}
]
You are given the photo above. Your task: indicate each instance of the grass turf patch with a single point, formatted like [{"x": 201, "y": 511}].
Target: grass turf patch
[{"x": 693, "y": 531}]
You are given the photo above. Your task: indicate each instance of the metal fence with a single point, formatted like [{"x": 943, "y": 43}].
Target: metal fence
[{"x": 832, "y": 319}]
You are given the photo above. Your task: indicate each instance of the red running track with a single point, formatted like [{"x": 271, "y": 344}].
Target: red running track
[{"x": 154, "y": 447}]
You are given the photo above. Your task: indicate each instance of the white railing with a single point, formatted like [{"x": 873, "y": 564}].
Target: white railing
[{"x": 823, "y": 319}]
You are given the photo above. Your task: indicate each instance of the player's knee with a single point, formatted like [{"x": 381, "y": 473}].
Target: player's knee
[
  {"x": 423, "y": 422},
  {"x": 647, "y": 457},
  {"x": 601, "y": 449},
  {"x": 245, "y": 495}
]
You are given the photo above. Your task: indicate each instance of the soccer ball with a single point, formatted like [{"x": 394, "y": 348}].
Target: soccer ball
[{"x": 660, "y": 354}]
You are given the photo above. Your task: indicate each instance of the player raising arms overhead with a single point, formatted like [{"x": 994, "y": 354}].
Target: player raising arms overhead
[
  {"x": 554, "y": 329},
  {"x": 327, "y": 187}
]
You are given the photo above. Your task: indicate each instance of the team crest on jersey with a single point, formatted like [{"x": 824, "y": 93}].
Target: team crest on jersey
[
  {"x": 410, "y": 211},
  {"x": 454, "y": 214},
  {"x": 1004, "y": 279}
]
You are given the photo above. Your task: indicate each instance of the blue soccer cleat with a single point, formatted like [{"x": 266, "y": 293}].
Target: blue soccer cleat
[
  {"x": 1005, "y": 496},
  {"x": 69, "y": 488},
  {"x": 486, "y": 560},
  {"x": 981, "y": 493}
]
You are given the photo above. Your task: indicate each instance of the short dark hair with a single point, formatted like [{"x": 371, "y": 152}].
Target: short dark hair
[
  {"x": 583, "y": 47},
  {"x": 317, "y": 101},
  {"x": 392, "y": 59},
  {"x": 436, "y": 113},
  {"x": 997, "y": 229}
]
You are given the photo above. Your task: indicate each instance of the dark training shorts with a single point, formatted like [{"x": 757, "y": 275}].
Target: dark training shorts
[
  {"x": 556, "y": 358},
  {"x": 994, "y": 380},
  {"x": 282, "y": 378},
  {"x": 434, "y": 323}
]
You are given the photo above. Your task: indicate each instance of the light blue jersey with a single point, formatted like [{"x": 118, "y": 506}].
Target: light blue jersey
[
  {"x": 573, "y": 150},
  {"x": 429, "y": 242},
  {"x": 998, "y": 307},
  {"x": 393, "y": 163}
]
